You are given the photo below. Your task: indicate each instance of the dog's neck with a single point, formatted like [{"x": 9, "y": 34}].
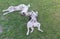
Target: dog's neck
[{"x": 33, "y": 19}]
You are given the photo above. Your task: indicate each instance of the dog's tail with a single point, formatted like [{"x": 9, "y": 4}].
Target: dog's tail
[{"x": 28, "y": 5}]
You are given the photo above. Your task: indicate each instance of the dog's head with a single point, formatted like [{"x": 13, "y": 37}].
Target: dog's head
[
  {"x": 24, "y": 8},
  {"x": 34, "y": 13}
]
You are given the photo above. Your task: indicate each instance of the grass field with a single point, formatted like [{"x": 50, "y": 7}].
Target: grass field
[{"x": 13, "y": 26}]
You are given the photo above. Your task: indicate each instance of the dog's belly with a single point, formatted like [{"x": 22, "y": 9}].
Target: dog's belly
[
  {"x": 36, "y": 24},
  {"x": 30, "y": 24}
]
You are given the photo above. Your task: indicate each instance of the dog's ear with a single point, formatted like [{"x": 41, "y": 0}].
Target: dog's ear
[
  {"x": 28, "y": 5},
  {"x": 36, "y": 12}
]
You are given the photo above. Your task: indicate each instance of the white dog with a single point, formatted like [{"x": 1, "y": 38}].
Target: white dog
[
  {"x": 21, "y": 7},
  {"x": 33, "y": 23}
]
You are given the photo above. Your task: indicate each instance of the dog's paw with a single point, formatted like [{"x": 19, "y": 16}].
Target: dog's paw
[
  {"x": 41, "y": 30},
  {"x": 3, "y": 10},
  {"x": 31, "y": 31},
  {"x": 4, "y": 14},
  {"x": 27, "y": 34}
]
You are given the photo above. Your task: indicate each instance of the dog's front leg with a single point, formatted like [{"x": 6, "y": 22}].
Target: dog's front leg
[{"x": 4, "y": 10}]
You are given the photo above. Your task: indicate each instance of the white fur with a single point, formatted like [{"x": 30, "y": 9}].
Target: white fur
[
  {"x": 31, "y": 13},
  {"x": 33, "y": 23},
  {"x": 21, "y": 7}
]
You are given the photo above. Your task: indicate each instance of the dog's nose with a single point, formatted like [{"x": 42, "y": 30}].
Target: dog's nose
[{"x": 23, "y": 13}]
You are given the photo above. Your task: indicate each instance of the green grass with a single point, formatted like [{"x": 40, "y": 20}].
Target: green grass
[{"x": 14, "y": 25}]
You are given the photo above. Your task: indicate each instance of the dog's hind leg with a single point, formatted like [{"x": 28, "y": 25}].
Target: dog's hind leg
[
  {"x": 32, "y": 29},
  {"x": 6, "y": 13},
  {"x": 39, "y": 28},
  {"x": 27, "y": 31}
]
